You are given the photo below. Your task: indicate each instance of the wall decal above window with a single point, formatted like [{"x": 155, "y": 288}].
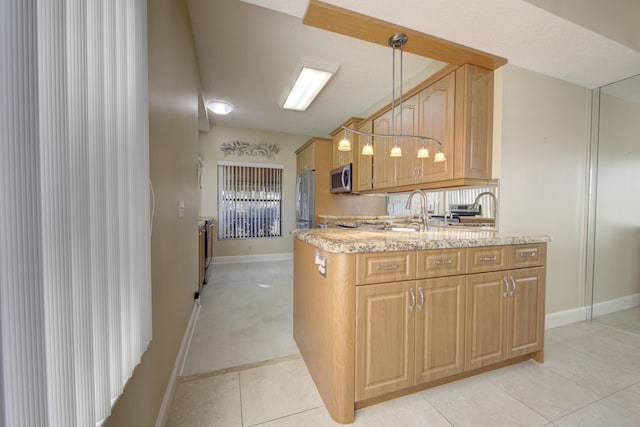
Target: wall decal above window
[{"x": 241, "y": 148}]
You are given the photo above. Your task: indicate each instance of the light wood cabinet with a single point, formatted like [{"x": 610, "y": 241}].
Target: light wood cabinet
[
  {"x": 363, "y": 165},
  {"x": 405, "y": 169},
  {"x": 383, "y": 324},
  {"x": 473, "y": 123},
  {"x": 380, "y": 267},
  {"x": 437, "y": 120},
  {"x": 383, "y": 167},
  {"x": 305, "y": 159},
  {"x": 408, "y": 333},
  {"x": 505, "y": 308},
  {"x": 455, "y": 107},
  {"x": 341, "y": 158},
  {"x": 439, "y": 328},
  {"x": 384, "y": 338}
]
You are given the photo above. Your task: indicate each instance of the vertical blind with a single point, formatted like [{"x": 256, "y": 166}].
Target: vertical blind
[
  {"x": 75, "y": 286},
  {"x": 249, "y": 200}
]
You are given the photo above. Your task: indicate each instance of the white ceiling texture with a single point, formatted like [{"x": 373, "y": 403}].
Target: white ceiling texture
[{"x": 247, "y": 51}]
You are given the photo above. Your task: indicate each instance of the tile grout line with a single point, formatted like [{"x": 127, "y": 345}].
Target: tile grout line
[
  {"x": 239, "y": 368},
  {"x": 282, "y": 417}
]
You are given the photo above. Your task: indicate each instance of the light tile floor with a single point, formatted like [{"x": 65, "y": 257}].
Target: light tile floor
[{"x": 244, "y": 369}]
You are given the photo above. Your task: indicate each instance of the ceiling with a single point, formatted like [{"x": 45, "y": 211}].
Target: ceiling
[{"x": 247, "y": 51}]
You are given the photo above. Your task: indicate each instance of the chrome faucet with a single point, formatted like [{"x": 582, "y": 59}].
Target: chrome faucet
[
  {"x": 424, "y": 216},
  {"x": 495, "y": 205}
]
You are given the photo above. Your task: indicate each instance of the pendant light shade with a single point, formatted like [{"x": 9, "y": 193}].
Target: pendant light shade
[
  {"x": 396, "y": 151},
  {"x": 439, "y": 157},
  {"x": 344, "y": 144},
  {"x": 423, "y": 153},
  {"x": 367, "y": 150}
]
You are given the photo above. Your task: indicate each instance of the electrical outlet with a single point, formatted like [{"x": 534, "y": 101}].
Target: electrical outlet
[{"x": 180, "y": 209}]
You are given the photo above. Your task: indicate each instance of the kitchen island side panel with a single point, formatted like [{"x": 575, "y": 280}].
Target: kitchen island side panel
[{"x": 323, "y": 325}]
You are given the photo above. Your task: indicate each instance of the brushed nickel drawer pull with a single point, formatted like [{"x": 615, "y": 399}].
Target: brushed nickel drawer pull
[
  {"x": 447, "y": 262},
  {"x": 421, "y": 299},
  {"x": 413, "y": 300},
  {"x": 506, "y": 287},
  {"x": 388, "y": 267},
  {"x": 528, "y": 254},
  {"x": 488, "y": 258}
]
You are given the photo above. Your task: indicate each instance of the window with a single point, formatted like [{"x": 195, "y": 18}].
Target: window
[{"x": 249, "y": 200}]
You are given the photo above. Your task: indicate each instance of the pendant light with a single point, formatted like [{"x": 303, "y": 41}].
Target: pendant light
[{"x": 396, "y": 41}]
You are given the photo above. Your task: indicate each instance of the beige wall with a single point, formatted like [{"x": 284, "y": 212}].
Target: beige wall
[
  {"x": 210, "y": 148},
  {"x": 174, "y": 146},
  {"x": 543, "y": 174}
]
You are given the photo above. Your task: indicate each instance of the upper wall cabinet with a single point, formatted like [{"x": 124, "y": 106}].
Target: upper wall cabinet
[
  {"x": 341, "y": 158},
  {"x": 457, "y": 110},
  {"x": 362, "y": 164}
]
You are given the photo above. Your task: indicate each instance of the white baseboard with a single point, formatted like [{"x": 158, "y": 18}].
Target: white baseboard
[
  {"x": 178, "y": 365},
  {"x": 253, "y": 258},
  {"x": 618, "y": 304},
  {"x": 561, "y": 318},
  {"x": 567, "y": 317}
]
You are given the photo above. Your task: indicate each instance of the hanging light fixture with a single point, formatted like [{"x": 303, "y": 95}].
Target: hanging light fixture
[{"x": 396, "y": 41}]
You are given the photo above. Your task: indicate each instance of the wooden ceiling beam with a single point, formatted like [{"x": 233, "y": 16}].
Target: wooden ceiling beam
[{"x": 349, "y": 23}]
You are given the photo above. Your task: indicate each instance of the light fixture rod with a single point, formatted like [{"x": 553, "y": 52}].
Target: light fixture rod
[{"x": 382, "y": 135}]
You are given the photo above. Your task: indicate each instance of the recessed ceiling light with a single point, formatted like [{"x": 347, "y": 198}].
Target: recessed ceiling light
[
  {"x": 310, "y": 79},
  {"x": 220, "y": 107}
]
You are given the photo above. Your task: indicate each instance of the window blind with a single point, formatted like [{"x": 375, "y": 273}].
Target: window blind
[
  {"x": 75, "y": 286},
  {"x": 249, "y": 200}
]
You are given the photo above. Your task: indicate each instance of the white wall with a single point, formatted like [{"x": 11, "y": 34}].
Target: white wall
[
  {"x": 210, "y": 149},
  {"x": 544, "y": 129},
  {"x": 617, "y": 253}
]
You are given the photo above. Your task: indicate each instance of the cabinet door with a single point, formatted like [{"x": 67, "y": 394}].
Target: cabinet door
[
  {"x": 305, "y": 160},
  {"x": 341, "y": 158},
  {"x": 437, "y": 114},
  {"x": 384, "y": 338},
  {"x": 382, "y": 165},
  {"x": 363, "y": 165},
  {"x": 485, "y": 328},
  {"x": 474, "y": 122},
  {"x": 440, "y": 328},
  {"x": 405, "y": 167},
  {"x": 525, "y": 316}
]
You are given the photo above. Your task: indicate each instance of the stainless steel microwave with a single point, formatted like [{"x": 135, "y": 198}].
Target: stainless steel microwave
[{"x": 341, "y": 179}]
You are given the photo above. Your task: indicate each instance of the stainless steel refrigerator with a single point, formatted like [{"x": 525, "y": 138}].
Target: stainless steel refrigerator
[{"x": 306, "y": 200}]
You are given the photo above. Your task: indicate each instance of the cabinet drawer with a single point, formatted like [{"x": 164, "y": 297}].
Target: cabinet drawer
[
  {"x": 441, "y": 262},
  {"x": 487, "y": 258},
  {"x": 378, "y": 267},
  {"x": 528, "y": 255}
]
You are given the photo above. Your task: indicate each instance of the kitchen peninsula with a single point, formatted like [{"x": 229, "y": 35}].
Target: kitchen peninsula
[{"x": 380, "y": 314}]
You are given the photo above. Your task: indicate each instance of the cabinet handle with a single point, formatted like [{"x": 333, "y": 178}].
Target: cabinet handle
[
  {"x": 528, "y": 254},
  {"x": 506, "y": 287},
  {"x": 421, "y": 299},
  {"x": 488, "y": 258},
  {"x": 513, "y": 282},
  {"x": 387, "y": 267},
  {"x": 447, "y": 262},
  {"x": 413, "y": 300}
]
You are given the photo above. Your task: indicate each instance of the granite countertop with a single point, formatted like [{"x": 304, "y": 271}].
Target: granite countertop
[{"x": 348, "y": 241}]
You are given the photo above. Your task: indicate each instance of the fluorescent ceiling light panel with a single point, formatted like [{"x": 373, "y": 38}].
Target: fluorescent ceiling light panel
[{"x": 308, "y": 85}]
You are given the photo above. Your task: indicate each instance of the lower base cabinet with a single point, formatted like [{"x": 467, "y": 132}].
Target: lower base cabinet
[
  {"x": 413, "y": 332},
  {"x": 504, "y": 316},
  {"x": 408, "y": 333}
]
